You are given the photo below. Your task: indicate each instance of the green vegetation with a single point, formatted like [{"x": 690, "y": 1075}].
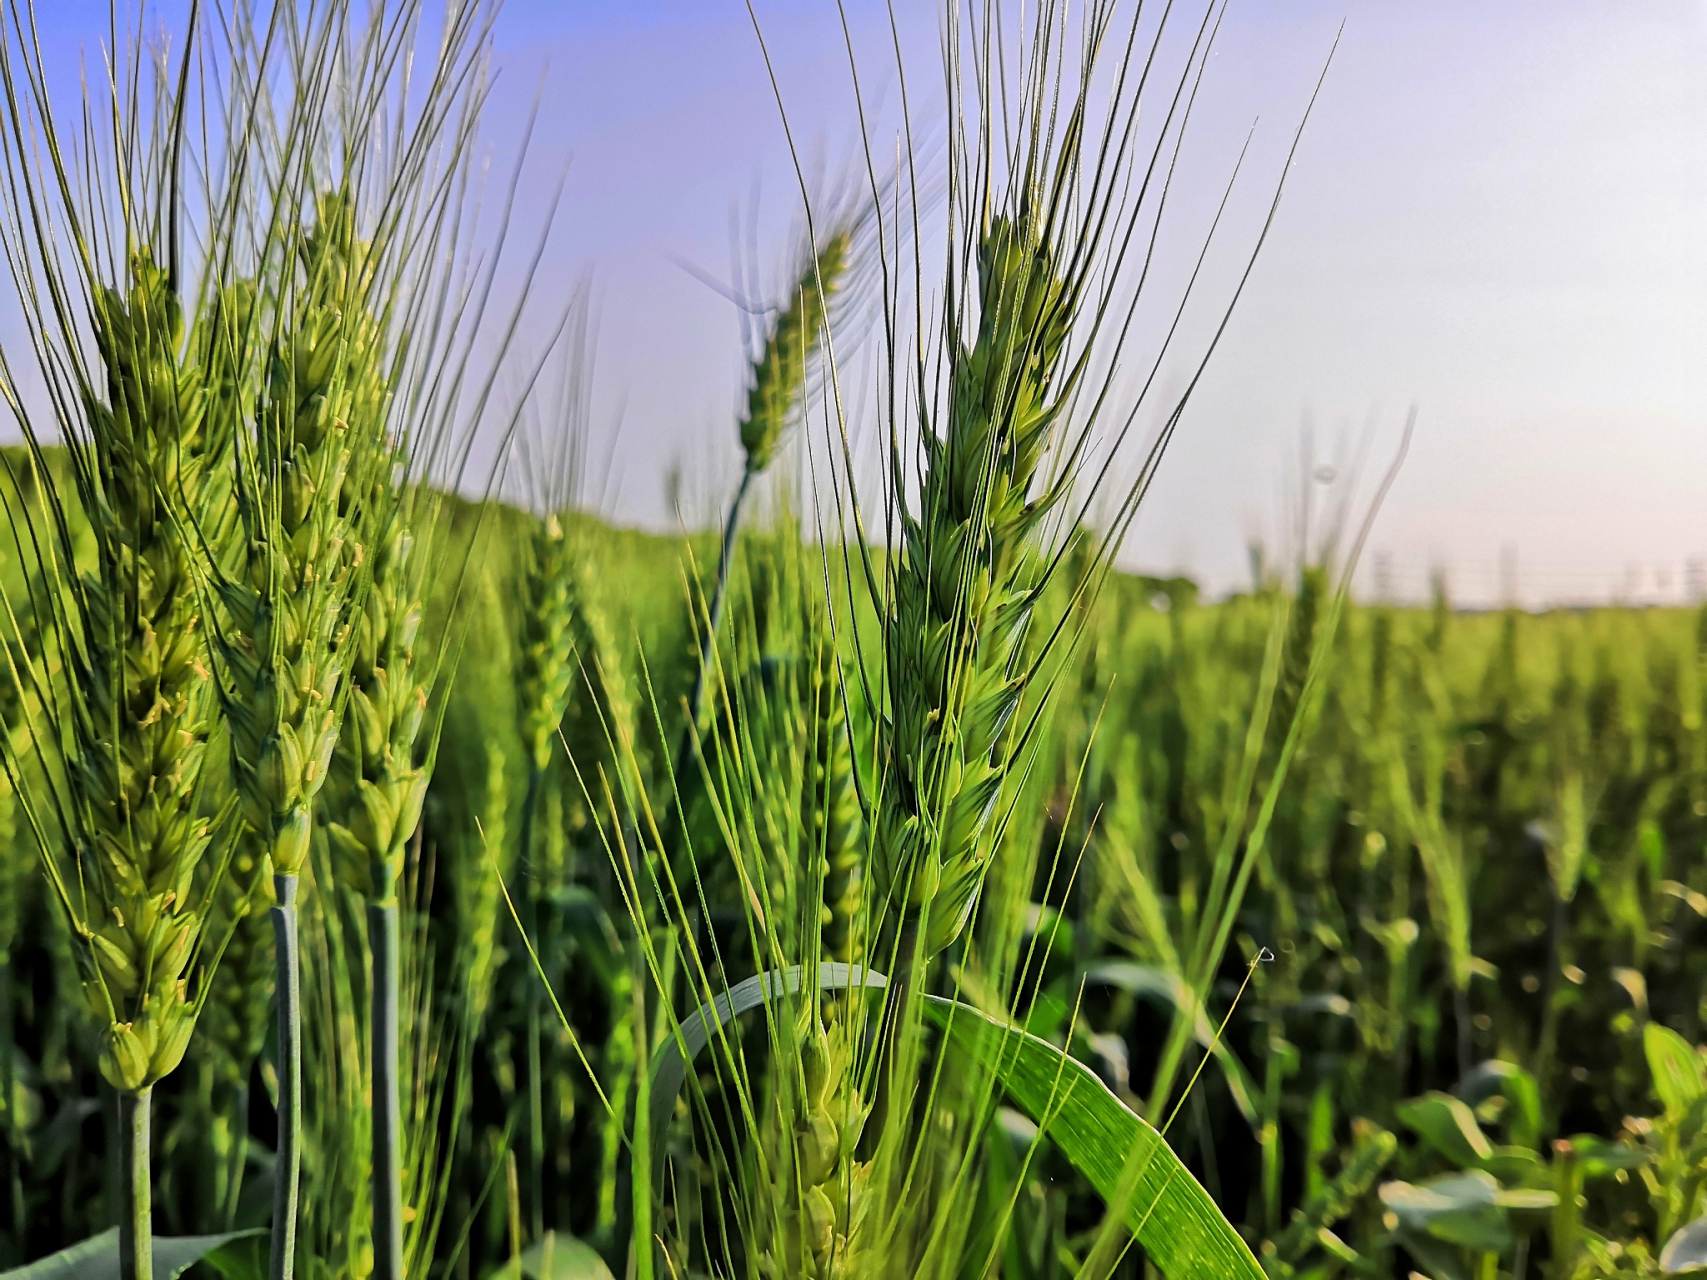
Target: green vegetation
[
  {"x": 893, "y": 888},
  {"x": 1333, "y": 1124}
]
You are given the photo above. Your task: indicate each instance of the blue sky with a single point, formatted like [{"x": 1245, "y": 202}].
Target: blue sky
[{"x": 1499, "y": 214}]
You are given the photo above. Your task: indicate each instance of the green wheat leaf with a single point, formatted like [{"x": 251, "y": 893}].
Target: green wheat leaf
[
  {"x": 566, "y": 1259},
  {"x": 97, "y": 1258},
  {"x": 1447, "y": 1125},
  {"x": 1170, "y": 1213},
  {"x": 1679, "y": 1077}
]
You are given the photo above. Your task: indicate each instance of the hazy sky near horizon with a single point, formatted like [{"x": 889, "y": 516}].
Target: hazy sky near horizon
[{"x": 1498, "y": 215}]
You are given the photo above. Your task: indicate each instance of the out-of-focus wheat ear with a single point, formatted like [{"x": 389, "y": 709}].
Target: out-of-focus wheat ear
[{"x": 778, "y": 382}]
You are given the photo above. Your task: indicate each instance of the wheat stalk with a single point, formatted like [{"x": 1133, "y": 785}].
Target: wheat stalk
[{"x": 282, "y": 660}]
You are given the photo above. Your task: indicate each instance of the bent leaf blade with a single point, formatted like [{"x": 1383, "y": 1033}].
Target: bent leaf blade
[{"x": 1169, "y": 1212}]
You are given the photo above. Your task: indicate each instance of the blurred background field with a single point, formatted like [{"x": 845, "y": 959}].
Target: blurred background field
[{"x": 1484, "y": 881}]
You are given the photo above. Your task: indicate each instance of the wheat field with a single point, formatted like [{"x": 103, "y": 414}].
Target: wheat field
[{"x": 407, "y": 870}]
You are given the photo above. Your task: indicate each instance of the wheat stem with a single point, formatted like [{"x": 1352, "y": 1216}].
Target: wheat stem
[
  {"x": 136, "y": 1228},
  {"x": 384, "y": 938},
  {"x": 287, "y": 1164},
  {"x": 536, "y": 1101},
  {"x": 714, "y": 615}
]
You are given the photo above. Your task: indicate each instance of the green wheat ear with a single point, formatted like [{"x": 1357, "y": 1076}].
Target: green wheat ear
[
  {"x": 282, "y": 650},
  {"x": 284, "y": 653},
  {"x": 546, "y": 664},
  {"x": 821, "y": 1219},
  {"x": 966, "y": 588},
  {"x": 778, "y": 385},
  {"x": 381, "y": 786},
  {"x": 140, "y": 685}
]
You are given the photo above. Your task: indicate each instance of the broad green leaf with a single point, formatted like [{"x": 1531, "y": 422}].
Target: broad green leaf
[
  {"x": 1527, "y": 1199},
  {"x": 1515, "y": 1166},
  {"x": 97, "y": 1258},
  {"x": 570, "y": 1259},
  {"x": 1679, "y": 1078},
  {"x": 245, "y": 1259},
  {"x": 1522, "y": 1096},
  {"x": 1463, "y": 1209},
  {"x": 1171, "y": 1215},
  {"x": 1523, "y": 1119},
  {"x": 1440, "y": 1260},
  {"x": 1687, "y": 1248},
  {"x": 1447, "y": 1125},
  {"x": 1049, "y": 1014}
]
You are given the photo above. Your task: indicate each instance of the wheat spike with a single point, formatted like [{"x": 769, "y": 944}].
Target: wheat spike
[
  {"x": 283, "y": 656},
  {"x": 141, "y": 683},
  {"x": 965, "y": 589}
]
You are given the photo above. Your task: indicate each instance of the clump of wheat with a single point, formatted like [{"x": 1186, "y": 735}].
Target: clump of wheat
[{"x": 965, "y": 588}]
